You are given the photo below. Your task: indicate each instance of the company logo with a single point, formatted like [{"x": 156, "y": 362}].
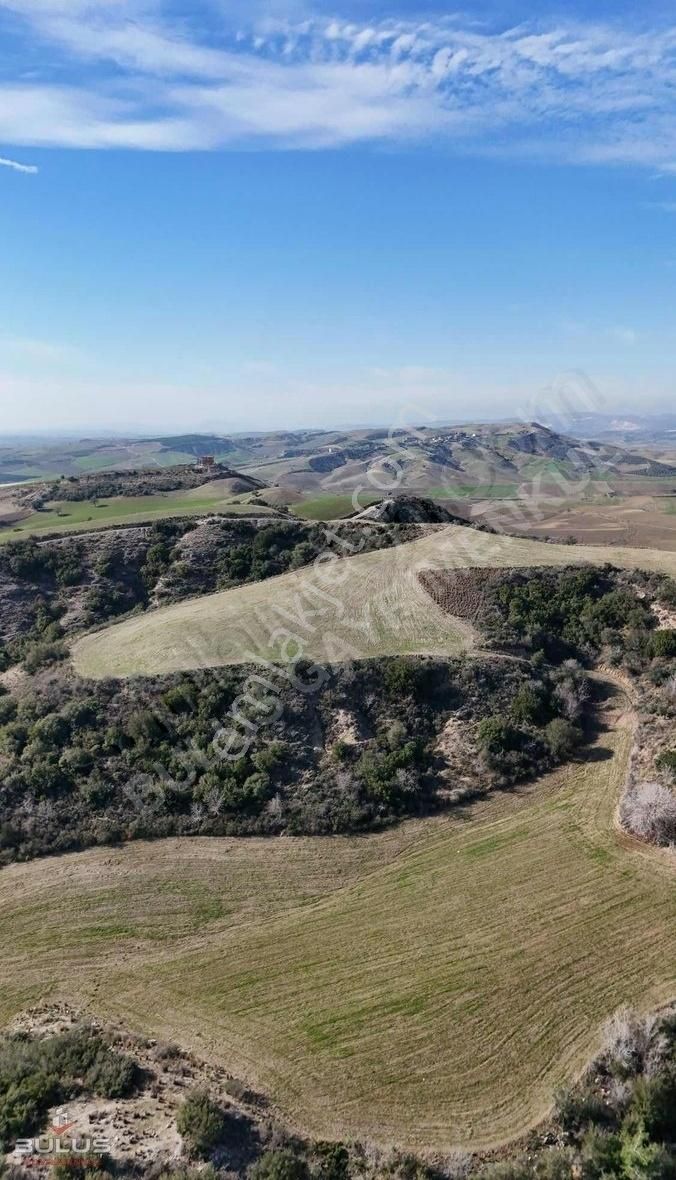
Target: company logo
[{"x": 62, "y": 1143}]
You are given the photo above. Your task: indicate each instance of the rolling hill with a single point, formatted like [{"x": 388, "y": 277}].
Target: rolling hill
[
  {"x": 468, "y": 462},
  {"x": 462, "y": 459},
  {"x": 360, "y": 606}
]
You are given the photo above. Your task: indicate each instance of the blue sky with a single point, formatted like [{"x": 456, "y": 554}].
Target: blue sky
[{"x": 238, "y": 215}]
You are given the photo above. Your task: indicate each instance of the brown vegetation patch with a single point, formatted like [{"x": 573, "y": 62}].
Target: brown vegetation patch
[
  {"x": 459, "y": 592},
  {"x": 665, "y": 615}
]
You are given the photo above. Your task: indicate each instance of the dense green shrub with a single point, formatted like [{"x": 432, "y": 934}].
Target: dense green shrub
[
  {"x": 36, "y": 1073},
  {"x": 530, "y": 705},
  {"x": 333, "y": 1161},
  {"x": 643, "y": 1159},
  {"x": 655, "y": 1104},
  {"x": 600, "y": 1153},
  {"x": 577, "y": 612},
  {"x": 662, "y": 645},
  {"x": 666, "y": 760},
  {"x": 201, "y": 1122},
  {"x": 41, "y": 655},
  {"x": 282, "y": 1164},
  {"x": 497, "y": 736},
  {"x": 562, "y": 737},
  {"x": 8, "y": 708}
]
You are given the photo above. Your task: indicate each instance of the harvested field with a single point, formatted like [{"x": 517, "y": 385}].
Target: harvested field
[
  {"x": 428, "y": 986},
  {"x": 641, "y": 521},
  {"x": 354, "y": 607}
]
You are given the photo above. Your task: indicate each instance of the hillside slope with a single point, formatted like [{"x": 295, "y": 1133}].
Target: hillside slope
[
  {"x": 89, "y": 502},
  {"x": 353, "y": 607},
  {"x": 482, "y": 455},
  {"x": 484, "y": 459},
  {"x": 427, "y": 987}
]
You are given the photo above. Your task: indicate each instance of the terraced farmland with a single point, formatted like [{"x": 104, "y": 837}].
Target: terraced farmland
[
  {"x": 429, "y": 986},
  {"x": 358, "y": 606}
]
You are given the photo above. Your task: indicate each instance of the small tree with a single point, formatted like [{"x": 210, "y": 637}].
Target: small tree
[
  {"x": 562, "y": 737},
  {"x": 642, "y": 1160}
]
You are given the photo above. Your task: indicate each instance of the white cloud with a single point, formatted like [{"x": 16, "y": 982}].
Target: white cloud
[
  {"x": 580, "y": 92},
  {"x": 31, "y": 169}
]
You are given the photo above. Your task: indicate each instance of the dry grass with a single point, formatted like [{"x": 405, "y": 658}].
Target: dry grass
[
  {"x": 428, "y": 987},
  {"x": 366, "y": 605}
]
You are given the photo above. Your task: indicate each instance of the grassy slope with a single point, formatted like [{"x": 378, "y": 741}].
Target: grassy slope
[
  {"x": 332, "y": 507},
  {"x": 369, "y": 604},
  {"x": 73, "y": 515},
  {"x": 429, "y": 986}
]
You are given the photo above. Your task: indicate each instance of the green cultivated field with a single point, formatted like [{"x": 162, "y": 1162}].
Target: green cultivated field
[
  {"x": 332, "y": 507},
  {"x": 79, "y": 515},
  {"x": 429, "y": 986},
  {"x": 367, "y": 605},
  {"x": 475, "y": 491}
]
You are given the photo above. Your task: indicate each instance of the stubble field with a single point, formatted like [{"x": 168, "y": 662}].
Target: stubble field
[{"x": 370, "y": 604}]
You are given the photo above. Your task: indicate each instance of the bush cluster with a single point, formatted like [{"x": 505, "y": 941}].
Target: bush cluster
[
  {"x": 36, "y": 1073},
  {"x": 579, "y": 612},
  {"x": 97, "y": 762}
]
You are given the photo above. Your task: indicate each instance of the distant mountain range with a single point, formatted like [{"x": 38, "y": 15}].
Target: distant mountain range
[{"x": 477, "y": 459}]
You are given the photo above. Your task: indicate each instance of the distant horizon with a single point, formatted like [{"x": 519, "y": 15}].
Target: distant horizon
[{"x": 88, "y": 434}]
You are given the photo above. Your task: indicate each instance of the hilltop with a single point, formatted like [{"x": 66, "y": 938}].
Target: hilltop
[{"x": 88, "y": 502}]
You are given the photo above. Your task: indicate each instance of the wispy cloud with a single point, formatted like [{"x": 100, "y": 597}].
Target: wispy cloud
[
  {"x": 39, "y": 352},
  {"x": 31, "y": 169},
  {"x": 616, "y": 333},
  {"x": 126, "y": 73}
]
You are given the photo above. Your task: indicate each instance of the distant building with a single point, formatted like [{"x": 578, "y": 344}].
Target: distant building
[{"x": 206, "y": 462}]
